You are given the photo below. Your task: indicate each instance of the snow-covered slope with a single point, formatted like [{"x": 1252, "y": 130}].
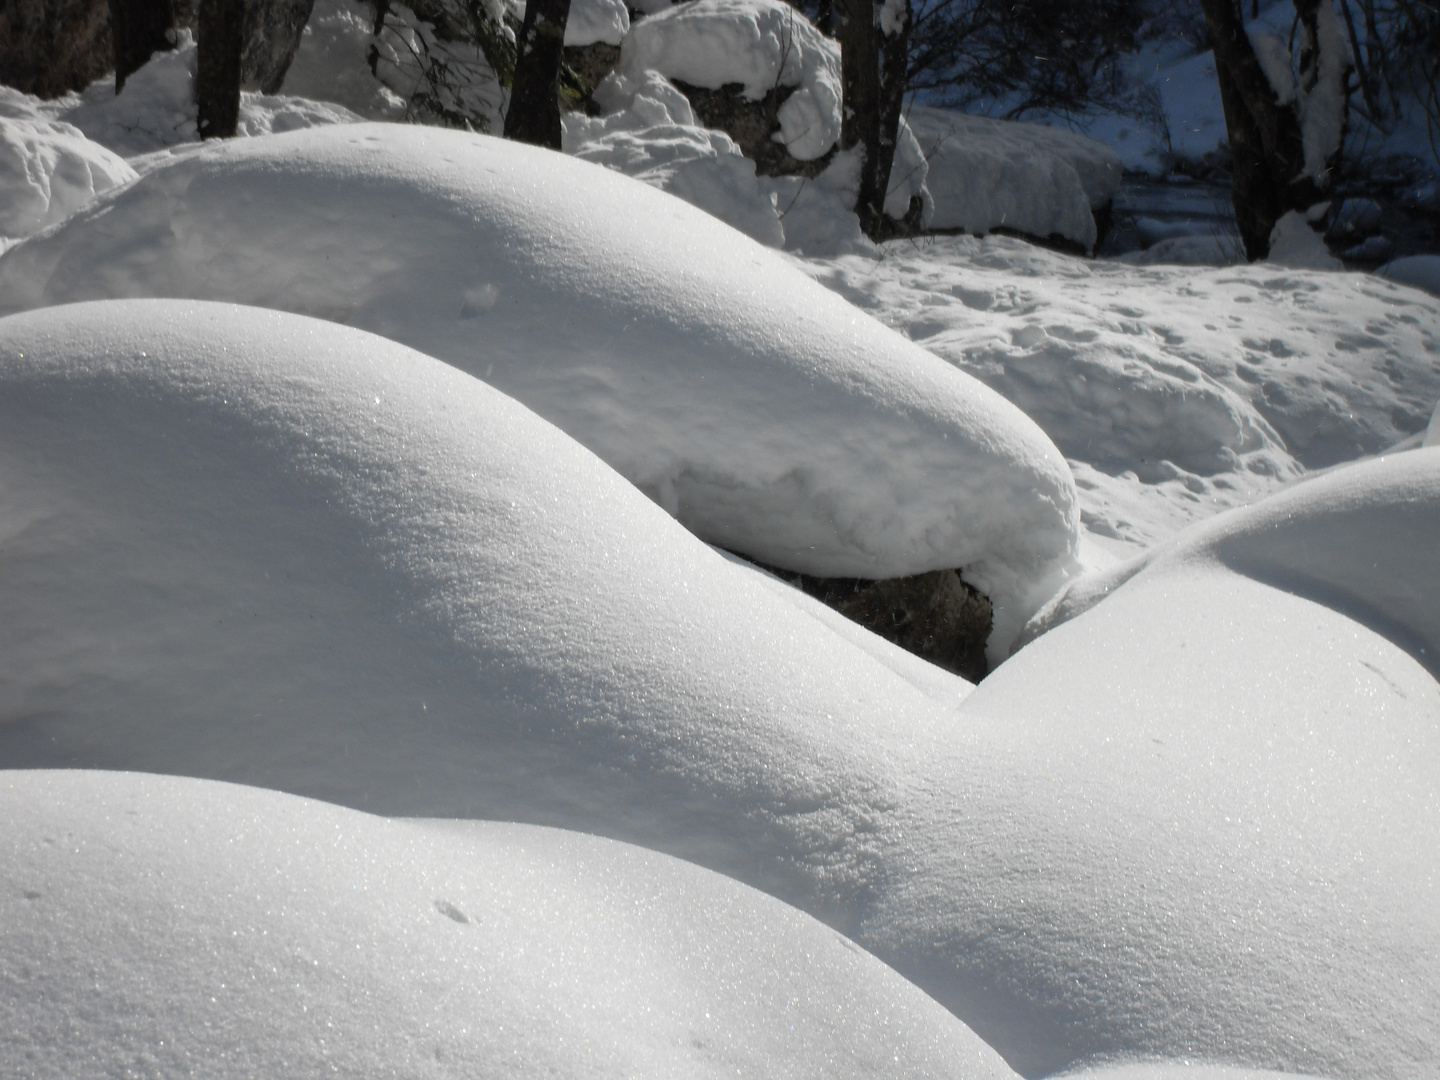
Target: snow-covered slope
[
  {"x": 161, "y": 925},
  {"x": 1176, "y": 392},
  {"x": 1221, "y": 845},
  {"x": 765, "y": 413}
]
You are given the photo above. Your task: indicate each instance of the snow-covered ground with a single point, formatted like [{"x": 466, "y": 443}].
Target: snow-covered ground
[{"x": 448, "y": 561}]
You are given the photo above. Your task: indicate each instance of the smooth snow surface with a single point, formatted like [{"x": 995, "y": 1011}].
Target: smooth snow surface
[
  {"x": 1363, "y": 539},
  {"x": 168, "y": 924},
  {"x": 48, "y": 170},
  {"x": 1221, "y": 844},
  {"x": 592, "y": 21},
  {"x": 1176, "y": 392},
  {"x": 984, "y": 174},
  {"x": 760, "y": 44},
  {"x": 1175, "y": 1070},
  {"x": 765, "y": 413}
]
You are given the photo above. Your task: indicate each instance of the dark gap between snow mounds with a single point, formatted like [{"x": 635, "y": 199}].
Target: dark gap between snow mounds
[{"x": 935, "y": 615}]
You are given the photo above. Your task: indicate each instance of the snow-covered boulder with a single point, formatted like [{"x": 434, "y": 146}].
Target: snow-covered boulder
[
  {"x": 760, "y": 409},
  {"x": 1361, "y": 539},
  {"x": 1038, "y": 180},
  {"x": 760, "y": 44},
  {"x": 48, "y": 170},
  {"x": 180, "y": 921}
]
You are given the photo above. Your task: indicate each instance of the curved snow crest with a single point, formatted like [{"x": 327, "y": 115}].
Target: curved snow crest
[
  {"x": 767, "y": 414},
  {"x": 1360, "y": 539},
  {"x": 761, "y": 44},
  {"x": 214, "y": 922}
]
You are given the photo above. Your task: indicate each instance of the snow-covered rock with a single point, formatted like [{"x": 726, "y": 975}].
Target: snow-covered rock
[
  {"x": 596, "y": 21},
  {"x": 1038, "y": 180},
  {"x": 158, "y": 922},
  {"x": 760, "y": 44},
  {"x": 48, "y": 170},
  {"x": 1360, "y": 539},
  {"x": 764, "y": 412}
]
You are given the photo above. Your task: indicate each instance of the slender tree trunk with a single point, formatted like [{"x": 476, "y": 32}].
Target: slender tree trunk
[
  {"x": 894, "y": 63},
  {"x": 1267, "y": 140},
  {"x": 860, "y": 89},
  {"x": 217, "y": 72},
  {"x": 138, "y": 29},
  {"x": 534, "y": 112}
]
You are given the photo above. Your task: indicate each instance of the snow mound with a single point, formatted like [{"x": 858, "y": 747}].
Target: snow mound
[
  {"x": 48, "y": 170},
  {"x": 1421, "y": 271},
  {"x": 266, "y": 935},
  {"x": 762, "y": 45},
  {"x": 1221, "y": 845},
  {"x": 1038, "y": 180},
  {"x": 703, "y": 367},
  {"x": 1360, "y": 539}
]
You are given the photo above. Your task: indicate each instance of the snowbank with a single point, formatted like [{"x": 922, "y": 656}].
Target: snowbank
[
  {"x": 1175, "y": 392},
  {"x": 761, "y": 410},
  {"x": 1421, "y": 271},
  {"x": 1038, "y": 180},
  {"x": 760, "y": 44},
  {"x": 48, "y": 170},
  {"x": 1360, "y": 539},
  {"x": 265, "y": 935}
]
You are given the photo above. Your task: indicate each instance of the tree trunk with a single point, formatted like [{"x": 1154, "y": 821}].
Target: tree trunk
[
  {"x": 534, "y": 112},
  {"x": 894, "y": 64},
  {"x": 217, "y": 73},
  {"x": 138, "y": 29},
  {"x": 1267, "y": 138},
  {"x": 860, "y": 91}
]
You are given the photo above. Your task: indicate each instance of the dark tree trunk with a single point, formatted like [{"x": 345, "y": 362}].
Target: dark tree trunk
[
  {"x": 1267, "y": 146},
  {"x": 894, "y": 60},
  {"x": 139, "y": 28},
  {"x": 534, "y": 112},
  {"x": 217, "y": 73},
  {"x": 860, "y": 90}
]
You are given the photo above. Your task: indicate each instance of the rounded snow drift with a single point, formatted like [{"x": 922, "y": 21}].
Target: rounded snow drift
[
  {"x": 167, "y": 925},
  {"x": 767, "y": 414}
]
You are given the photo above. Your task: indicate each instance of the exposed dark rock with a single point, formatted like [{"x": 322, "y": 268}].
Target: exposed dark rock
[
  {"x": 751, "y": 124},
  {"x": 50, "y": 47},
  {"x": 587, "y": 65},
  {"x": 936, "y": 615}
]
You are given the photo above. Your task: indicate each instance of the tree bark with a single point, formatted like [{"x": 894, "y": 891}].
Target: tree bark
[
  {"x": 860, "y": 91},
  {"x": 139, "y": 28},
  {"x": 1267, "y": 145},
  {"x": 217, "y": 72},
  {"x": 894, "y": 64},
  {"x": 534, "y": 112}
]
